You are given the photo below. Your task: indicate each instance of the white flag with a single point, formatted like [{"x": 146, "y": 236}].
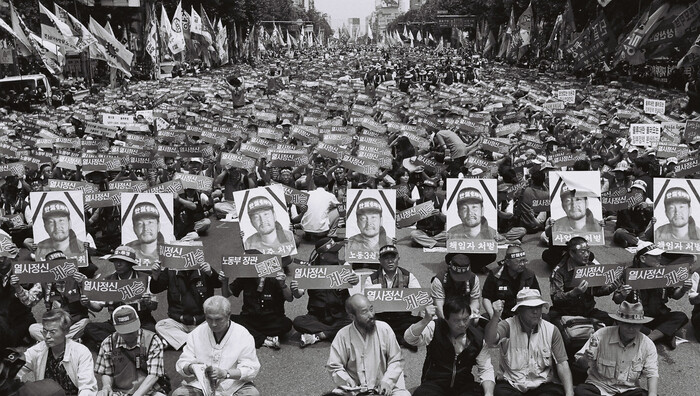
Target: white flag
[
  {"x": 176, "y": 41},
  {"x": 85, "y": 38},
  {"x": 195, "y": 22}
]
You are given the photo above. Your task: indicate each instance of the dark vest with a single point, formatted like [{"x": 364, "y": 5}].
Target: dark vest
[
  {"x": 441, "y": 362},
  {"x": 377, "y": 278}
]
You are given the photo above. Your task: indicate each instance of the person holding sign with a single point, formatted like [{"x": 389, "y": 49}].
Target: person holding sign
[
  {"x": 130, "y": 360},
  {"x": 430, "y": 232},
  {"x": 391, "y": 276},
  {"x": 666, "y": 322},
  {"x": 470, "y": 206},
  {"x": 681, "y": 224},
  {"x": 531, "y": 349},
  {"x": 620, "y": 349},
  {"x": 270, "y": 236},
  {"x": 507, "y": 280},
  {"x": 219, "y": 356},
  {"x": 578, "y": 216},
  {"x": 187, "y": 290},
  {"x": 15, "y": 317},
  {"x": 456, "y": 279},
  {"x": 60, "y": 359},
  {"x": 633, "y": 223},
  {"x": 58, "y": 226},
  {"x": 146, "y": 221},
  {"x": 453, "y": 348},
  {"x": 326, "y": 308},
  {"x": 570, "y": 298},
  {"x": 365, "y": 354},
  {"x": 372, "y": 235}
]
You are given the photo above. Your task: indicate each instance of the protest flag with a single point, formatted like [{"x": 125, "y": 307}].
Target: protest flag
[
  {"x": 55, "y": 31},
  {"x": 152, "y": 35},
  {"x": 692, "y": 57},
  {"x": 83, "y": 35},
  {"x": 19, "y": 33},
  {"x": 630, "y": 47},
  {"x": 176, "y": 40},
  {"x": 35, "y": 44},
  {"x": 116, "y": 54},
  {"x": 490, "y": 43}
]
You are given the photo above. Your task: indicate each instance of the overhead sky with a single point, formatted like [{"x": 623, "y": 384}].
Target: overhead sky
[{"x": 341, "y": 10}]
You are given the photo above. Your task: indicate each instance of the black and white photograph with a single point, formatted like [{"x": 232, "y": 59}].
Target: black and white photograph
[
  {"x": 676, "y": 208},
  {"x": 470, "y": 207},
  {"x": 576, "y": 206},
  {"x": 147, "y": 221},
  {"x": 371, "y": 224}
]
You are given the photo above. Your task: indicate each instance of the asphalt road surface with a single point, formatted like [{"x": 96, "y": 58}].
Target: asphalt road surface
[{"x": 295, "y": 371}]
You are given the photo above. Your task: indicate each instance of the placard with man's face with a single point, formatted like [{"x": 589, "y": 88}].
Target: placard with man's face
[
  {"x": 371, "y": 224},
  {"x": 471, "y": 215},
  {"x": 59, "y": 224},
  {"x": 147, "y": 220},
  {"x": 264, "y": 220},
  {"x": 675, "y": 201},
  {"x": 575, "y": 206}
]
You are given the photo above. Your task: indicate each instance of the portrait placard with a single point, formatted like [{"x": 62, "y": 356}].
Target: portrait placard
[
  {"x": 675, "y": 201},
  {"x": 322, "y": 276},
  {"x": 370, "y": 224},
  {"x": 147, "y": 222},
  {"x": 59, "y": 224},
  {"x": 264, "y": 220},
  {"x": 471, "y": 215},
  {"x": 576, "y": 206}
]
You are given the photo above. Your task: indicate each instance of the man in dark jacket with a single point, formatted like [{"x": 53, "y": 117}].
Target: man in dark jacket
[
  {"x": 454, "y": 347},
  {"x": 430, "y": 232},
  {"x": 187, "y": 291},
  {"x": 15, "y": 317},
  {"x": 634, "y": 222},
  {"x": 505, "y": 282}
]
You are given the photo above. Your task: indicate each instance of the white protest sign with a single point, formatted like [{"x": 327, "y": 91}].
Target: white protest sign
[
  {"x": 567, "y": 95},
  {"x": 652, "y": 106},
  {"x": 645, "y": 134}
]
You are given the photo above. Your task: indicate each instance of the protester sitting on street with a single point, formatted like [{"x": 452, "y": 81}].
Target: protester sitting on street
[
  {"x": 318, "y": 219},
  {"x": 365, "y": 354},
  {"x": 454, "y": 346},
  {"x": 533, "y": 358},
  {"x": 60, "y": 359},
  {"x": 187, "y": 291},
  {"x": 262, "y": 313},
  {"x": 430, "y": 232},
  {"x": 617, "y": 357},
  {"x": 392, "y": 276},
  {"x": 15, "y": 316},
  {"x": 576, "y": 298},
  {"x": 635, "y": 223},
  {"x": 456, "y": 280},
  {"x": 326, "y": 308},
  {"x": 504, "y": 283},
  {"x": 219, "y": 352},
  {"x": 130, "y": 360},
  {"x": 124, "y": 260},
  {"x": 665, "y": 322}
]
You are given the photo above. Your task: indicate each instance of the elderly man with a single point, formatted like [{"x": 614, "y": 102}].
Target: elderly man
[
  {"x": 454, "y": 347},
  {"x": 578, "y": 216},
  {"x": 221, "y": 352},
  {"x": 617, "y": 356},
  {"x": 365, "y": 354},
  {"x": 681, "y": 224},
  {"x": 146, "y": 221},
  {"x": 372, "y": 235},
  {"x": 527, "y": 345},
  {"x": 57, "y": 224},
  {"x": 456, "y": 280},
  {"x": 507, "y": 280},
  {"x": 130, "y": 360},
  {"x": 270, "y": 237},
  {"x": 391, "y": 276},
  {"x": 470, "y": 207},
  {"x": 60, "y": 359}
]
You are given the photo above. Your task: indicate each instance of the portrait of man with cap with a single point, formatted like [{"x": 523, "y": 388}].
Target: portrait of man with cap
[
  {"x": 681, "y": 225},
  {"x": 625, "y": 348},
  {"x": 270, "y": 236},
  {"x": 579, "y": 218},
  {"x": 372, "y": 234},
  {"x": 130, "y": 360},
  {"x": 146, "y": 221},
  {"x": 470, "y": 207},
  {"x": 60, "y": 229}
]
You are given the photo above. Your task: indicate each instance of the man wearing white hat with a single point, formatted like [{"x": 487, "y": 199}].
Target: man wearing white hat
[
  {"x": 130, "y": 361},
  {"x": 530, "y": 350},
  {"x": 618, "y": 356}
]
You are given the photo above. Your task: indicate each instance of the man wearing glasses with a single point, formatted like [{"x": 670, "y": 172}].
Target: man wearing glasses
[
  {"x": 572, "y": 298},
  {"x": 504, "y": 283}
]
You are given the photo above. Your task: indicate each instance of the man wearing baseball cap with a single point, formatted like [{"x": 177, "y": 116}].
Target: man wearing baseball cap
[
  {"x": 391, "y": 276},
  {"x": 146, "y": 221},
  {"x": 470, "y": 207},
  {"x": 57, "y": 223},
  {"x": 430, "y": 232},
  {"x": 457, "y": 279},
  {"x": 625, "y": 348},
  {"x": 372, "y": 235},
  {"x": 681, "y": 224},
  {"x": 633, "y": 223},
  {"x": 533, "y": 351},
  {"x": 270, "y": 237},
  {"x": 130, "y": 360}
]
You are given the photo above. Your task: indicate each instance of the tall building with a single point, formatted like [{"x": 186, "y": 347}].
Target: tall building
[{"x": 385, "y": 16}]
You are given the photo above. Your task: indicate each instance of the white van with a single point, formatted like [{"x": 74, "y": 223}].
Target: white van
[{"x": 33, "y": 81}]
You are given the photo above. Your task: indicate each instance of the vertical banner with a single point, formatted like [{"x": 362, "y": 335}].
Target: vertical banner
[
  {"x": 576, "y": 206},
  {"x": 676, "y": 230},
  {"x": 59, "y": 224},
  {"x": 371, "y": 224},
  {"x": 147, "y": 221},
  {"x": 471, "y": 215},
  {"x": 264, "y": 221}
]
